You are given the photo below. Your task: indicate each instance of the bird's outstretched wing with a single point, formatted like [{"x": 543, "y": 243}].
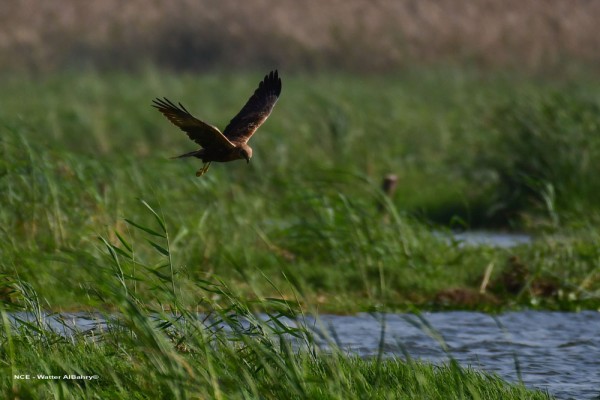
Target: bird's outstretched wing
[
  {"x": 200, "y": 132},
  {"x": 256, "y": 110}
]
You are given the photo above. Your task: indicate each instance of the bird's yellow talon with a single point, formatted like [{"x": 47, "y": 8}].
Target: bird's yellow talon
[{"x": 203, "y": 170}]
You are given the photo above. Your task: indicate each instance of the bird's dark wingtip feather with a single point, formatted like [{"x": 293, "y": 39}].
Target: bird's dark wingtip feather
[
  {"x": 165, "y": 104},
  {"x": 161, "y": 103},
  {"x": 156, "y": 103},
  {"x": 272, "y": 82}
]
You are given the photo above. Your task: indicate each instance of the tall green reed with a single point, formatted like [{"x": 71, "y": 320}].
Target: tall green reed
[{"x": 544, "y": 153}]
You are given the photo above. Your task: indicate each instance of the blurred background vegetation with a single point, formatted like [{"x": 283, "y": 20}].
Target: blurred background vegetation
[{"x": 349, "y": 35}]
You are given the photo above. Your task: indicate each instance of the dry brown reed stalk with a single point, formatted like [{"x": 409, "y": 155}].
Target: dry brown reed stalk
[{"x": 357, "y": 35}]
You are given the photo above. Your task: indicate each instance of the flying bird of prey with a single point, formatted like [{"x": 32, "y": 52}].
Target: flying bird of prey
[{"x": 232, "y": 144}]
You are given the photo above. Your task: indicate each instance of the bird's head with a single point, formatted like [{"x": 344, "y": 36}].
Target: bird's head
[{"x": 245, "y": 152}]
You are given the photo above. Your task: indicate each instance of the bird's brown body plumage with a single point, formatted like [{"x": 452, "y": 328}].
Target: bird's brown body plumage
[{"x": 232, "y": 144}]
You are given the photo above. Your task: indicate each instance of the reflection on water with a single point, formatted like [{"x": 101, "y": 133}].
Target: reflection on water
[{"x": 556, "y": 351}]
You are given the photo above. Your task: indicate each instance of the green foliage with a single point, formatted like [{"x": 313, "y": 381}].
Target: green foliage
[
  {"x": 544, "y": 151},
  {"x": 168, "y": 351},
  {"x": 79, "y": 150}
]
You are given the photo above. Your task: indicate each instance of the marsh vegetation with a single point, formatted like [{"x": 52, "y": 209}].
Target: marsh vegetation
[
  {"x": 486, "y": 115},
  {"x": 469, "y": 151}
]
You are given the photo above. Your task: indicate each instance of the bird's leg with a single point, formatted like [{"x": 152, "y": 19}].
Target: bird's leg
[{"x": 203, "y": 170}]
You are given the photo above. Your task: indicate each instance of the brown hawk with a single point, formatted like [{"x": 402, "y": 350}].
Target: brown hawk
[{"x": 232, "y": 144}]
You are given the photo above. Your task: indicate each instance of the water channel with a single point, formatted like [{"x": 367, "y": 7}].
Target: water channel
[{"x": 554, "y": 351}]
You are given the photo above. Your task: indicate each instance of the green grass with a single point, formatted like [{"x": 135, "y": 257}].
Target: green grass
[
  {"x": 469, "y": 149},
  {"x": 134, "y": 375},
  {"x": 157, "y": 346}
]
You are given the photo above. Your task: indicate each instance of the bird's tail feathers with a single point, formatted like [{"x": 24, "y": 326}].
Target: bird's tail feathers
[{"x": 190, "y": 154}]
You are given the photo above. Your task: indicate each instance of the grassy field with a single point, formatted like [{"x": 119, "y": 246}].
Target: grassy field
[
  {"x": 307, "y": 217},
  {"x": 95, "y": 216},
  {"x": 148, "y": 352}
]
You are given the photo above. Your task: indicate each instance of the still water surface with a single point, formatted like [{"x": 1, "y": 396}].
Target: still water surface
[
  {"x": 486, "y": 238},
  {"x": 554, "y": 351}
]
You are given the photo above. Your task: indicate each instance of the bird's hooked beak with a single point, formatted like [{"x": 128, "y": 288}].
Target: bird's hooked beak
[{"x": 245, "y": 153}]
